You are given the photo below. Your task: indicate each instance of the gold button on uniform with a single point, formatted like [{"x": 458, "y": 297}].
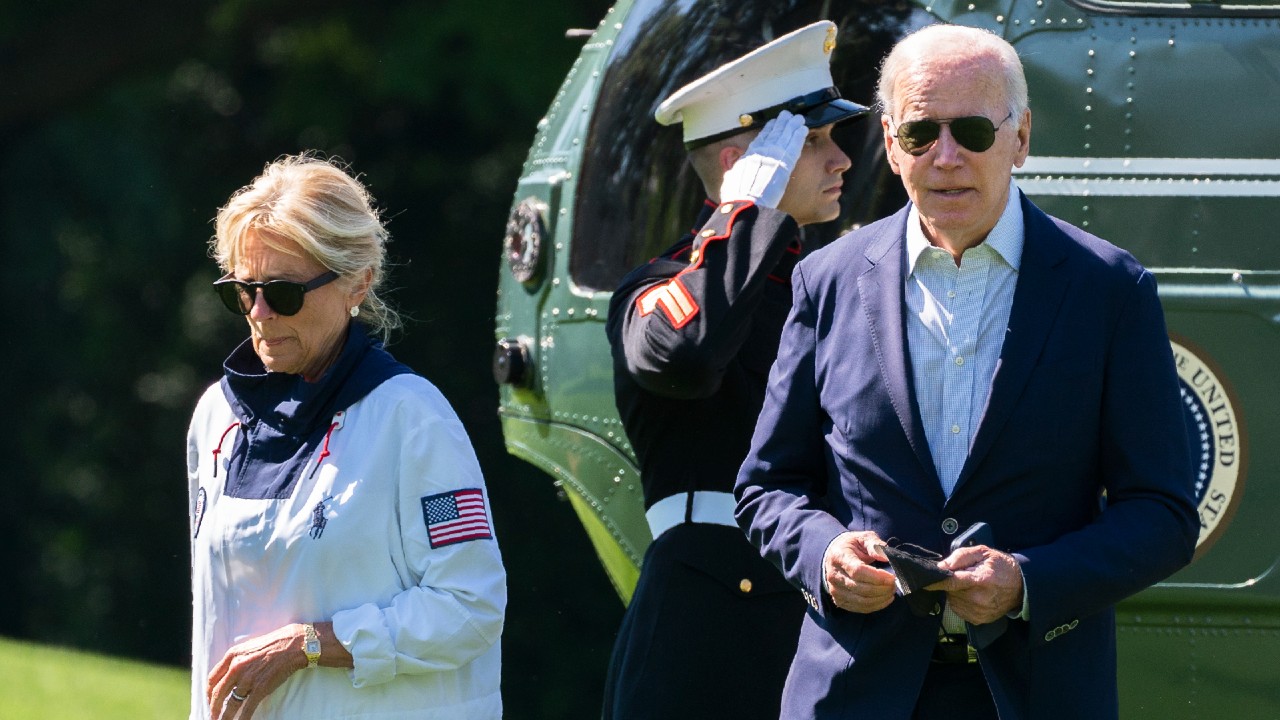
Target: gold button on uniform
[
  {"x": 726, "y": 208},
  {"x": 745, "y": 585},
  {"x": 708, "y": 232}
]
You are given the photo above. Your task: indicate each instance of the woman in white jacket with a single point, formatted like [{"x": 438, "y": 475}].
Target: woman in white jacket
[{"x": 344, "y": 563}]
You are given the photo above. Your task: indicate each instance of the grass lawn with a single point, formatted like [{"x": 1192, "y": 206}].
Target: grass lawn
[{"x": 38, "y": 682}]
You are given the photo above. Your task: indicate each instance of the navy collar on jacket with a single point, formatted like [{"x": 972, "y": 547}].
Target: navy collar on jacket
[{"x": 283, "y": 418}]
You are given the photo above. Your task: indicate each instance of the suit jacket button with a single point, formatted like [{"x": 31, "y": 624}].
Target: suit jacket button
[
  {"x": 745, "y": 585},
  {"x": 950, "y": 526}
]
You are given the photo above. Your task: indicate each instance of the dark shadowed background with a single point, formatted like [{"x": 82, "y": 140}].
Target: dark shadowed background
[{"x": 123, "y": 127}]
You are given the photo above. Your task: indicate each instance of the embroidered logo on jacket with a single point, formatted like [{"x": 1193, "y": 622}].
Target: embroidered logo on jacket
[
  {"x": 456, "y": 516},
  {"x": 201, "y": 501},
  {"x": 318, "y": 520}
]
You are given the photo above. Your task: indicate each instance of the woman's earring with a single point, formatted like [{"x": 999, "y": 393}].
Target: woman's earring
[{"x": 355, "y": 310}]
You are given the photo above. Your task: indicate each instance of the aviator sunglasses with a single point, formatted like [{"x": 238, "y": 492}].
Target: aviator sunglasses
[
  {"x": 974, "y": 133},
  {"x": 282, "y": 296}
]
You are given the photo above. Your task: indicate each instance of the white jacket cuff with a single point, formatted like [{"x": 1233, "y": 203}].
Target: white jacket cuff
[{"x": 364, "y": 634}]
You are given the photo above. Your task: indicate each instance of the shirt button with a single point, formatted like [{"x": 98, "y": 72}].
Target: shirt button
[
  {"x": 959, "y": 360},
  {"x": 745, "y": 585},
  {"x": 951, "y": 293},
  {"x": 955, "y": 429},
  {"x": 950, "y": 526}
]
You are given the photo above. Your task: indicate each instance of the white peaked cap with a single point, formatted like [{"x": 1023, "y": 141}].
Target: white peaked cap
[{"x": 792, "y": 72}]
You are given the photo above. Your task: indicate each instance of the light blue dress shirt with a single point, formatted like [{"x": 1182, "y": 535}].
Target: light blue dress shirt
[{"x": 957, "y": 317}]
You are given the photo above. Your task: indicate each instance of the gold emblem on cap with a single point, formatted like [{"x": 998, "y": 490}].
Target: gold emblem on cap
[
  {"x": 745, "y": 120},
  {"x": 830, "y": 43}
]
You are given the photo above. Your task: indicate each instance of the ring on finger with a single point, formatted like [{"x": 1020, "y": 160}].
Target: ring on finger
[{"x": 235, "y": 695}]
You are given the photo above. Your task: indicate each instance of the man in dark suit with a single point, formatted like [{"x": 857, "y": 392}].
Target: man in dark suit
[{"x": 969, "y": 359}]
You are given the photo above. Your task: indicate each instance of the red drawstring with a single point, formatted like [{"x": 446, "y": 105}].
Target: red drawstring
[
  {"x": 324, "y": 452},
  {"x": 218, "y": 449}
]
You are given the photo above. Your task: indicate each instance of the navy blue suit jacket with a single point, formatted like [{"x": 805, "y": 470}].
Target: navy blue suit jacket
[{"x": 1079, "y": 465}]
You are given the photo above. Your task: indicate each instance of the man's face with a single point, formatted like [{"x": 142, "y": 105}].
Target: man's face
[
  {"x": 959, "y": 193},
  {"x": 813, "y": 192}
]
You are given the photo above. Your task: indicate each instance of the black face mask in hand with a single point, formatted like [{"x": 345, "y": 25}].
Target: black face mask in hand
[{"x": 916, "y": 568}]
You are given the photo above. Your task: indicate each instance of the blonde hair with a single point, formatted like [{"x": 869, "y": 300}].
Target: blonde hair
[
  {"x": 945, "y": 40},
  {"x": 315, "y": 203}
]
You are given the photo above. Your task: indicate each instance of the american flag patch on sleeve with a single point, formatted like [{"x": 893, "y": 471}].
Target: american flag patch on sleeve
[{"x": 456, "y": 516}]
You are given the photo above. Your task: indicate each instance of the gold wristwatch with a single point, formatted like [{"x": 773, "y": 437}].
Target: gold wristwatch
[{"x": 311, "y": 645}]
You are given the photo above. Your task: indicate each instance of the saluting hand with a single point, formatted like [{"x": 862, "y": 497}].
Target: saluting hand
[
  {"x": 761, "y": 175},
  {"x": 985, "y": 586},
  {"x": 852, "y": 581}
]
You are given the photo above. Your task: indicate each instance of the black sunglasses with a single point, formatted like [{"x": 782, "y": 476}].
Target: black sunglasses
[
  {"x": 974, "y": 133},
  {"x": 282, "y": 296}
]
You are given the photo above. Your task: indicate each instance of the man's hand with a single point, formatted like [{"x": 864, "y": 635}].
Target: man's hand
[
  {"x": 761, "y": 175},
  {"x": 986, "y": 584},
  {"x": 853, "y": 583}
]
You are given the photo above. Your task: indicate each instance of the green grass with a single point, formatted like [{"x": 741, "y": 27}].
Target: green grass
[{"x": 38, "y": 682}]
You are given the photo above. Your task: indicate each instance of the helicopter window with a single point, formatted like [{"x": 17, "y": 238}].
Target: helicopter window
[
  {"x": 637, "y": 194},
  {"x": 1195, "y": 8}
]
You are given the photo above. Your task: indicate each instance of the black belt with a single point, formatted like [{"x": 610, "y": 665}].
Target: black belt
[{"x": 954, "y": 650}]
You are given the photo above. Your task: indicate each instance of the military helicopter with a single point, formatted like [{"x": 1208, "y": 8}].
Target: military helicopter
[{"x": 1149, "y": 132}]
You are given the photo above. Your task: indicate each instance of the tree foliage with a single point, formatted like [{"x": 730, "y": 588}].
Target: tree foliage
[{"x": 123, "y": 127}]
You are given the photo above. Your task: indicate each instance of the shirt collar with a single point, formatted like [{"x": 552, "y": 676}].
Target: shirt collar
[{"x": 1006, "y": 238}]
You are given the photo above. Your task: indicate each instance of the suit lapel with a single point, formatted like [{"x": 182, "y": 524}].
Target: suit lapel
[
  {"x": 1042, "y": 283},
  {"x": 880, "y": 290}
]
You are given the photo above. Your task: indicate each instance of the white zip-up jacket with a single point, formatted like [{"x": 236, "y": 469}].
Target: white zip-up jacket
[{"x": 364, "y": 540}]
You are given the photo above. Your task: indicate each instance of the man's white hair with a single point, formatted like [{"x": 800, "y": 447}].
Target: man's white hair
[{"x": 936, "y": 41}]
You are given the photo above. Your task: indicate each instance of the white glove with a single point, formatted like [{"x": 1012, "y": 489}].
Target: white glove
[{"x": 761, "y": 174}]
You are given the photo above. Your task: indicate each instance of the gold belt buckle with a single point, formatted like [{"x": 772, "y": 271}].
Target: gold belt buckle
[{"x": 951, "y": 642}]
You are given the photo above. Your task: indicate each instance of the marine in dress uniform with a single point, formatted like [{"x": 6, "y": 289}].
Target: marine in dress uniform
[{"x": 711, "y": 628}]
